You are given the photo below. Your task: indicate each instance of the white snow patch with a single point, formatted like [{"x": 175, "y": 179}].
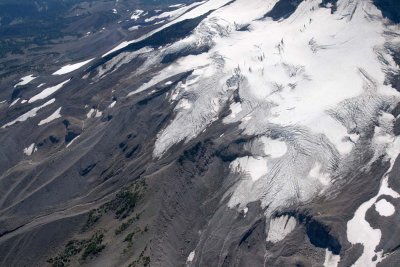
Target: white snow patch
[
  {"x": 30, "y": 114},
  {"x": 235, "y": 108},
  {"x": 112, "y": 104},
  {"x": 174, "y": 13},
  {"x": 196, "y": 12},
  {"x": 71, "y": 67},
  {"x": 90, "y": 113},
  {"x": 25, "y": 80},
  {"x": 134, "y": 28},
  {"x": 47, "y": 92},
  {"x": 274, "y": 148},
  {"x": 190, "y": 258},
  {"x": 384, "y": 208},
  {"x": 287, "y": 89},
  {"x": 184, "y": 104},
  {"x": 52, "y": 117},
  {"x": 136, "y": 14},
  {"x": 98, "y": 114},
  {"x": 72, "y": 141},
  {"x": 255, "y": 167},
  {"x": 280, "y": 227},
  {"x": 316, "y": 173},
  {"x": 29, "y": 150},
  {"x": 118, "y": 47},
  {"x": 176, "y": 5},
  {"x": 359, "y": 231},
  {"x": 245, "y": 210},
  {"x": 331, "y": 260},
  {"x": 14, "y": 102}
]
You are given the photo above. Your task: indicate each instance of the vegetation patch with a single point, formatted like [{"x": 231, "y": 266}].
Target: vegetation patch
[
  {"x": 90, "y": 247},
  {"x": 94, "y": 246},
  {"x": 126, "y": 224},
  {"x": 142, "y": 260},
  {"x": 122, "y": 206}
]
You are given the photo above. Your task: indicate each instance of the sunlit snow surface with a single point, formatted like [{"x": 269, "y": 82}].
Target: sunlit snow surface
[
  {"x": 52, "y": 117},
  {"x": 25, "y": 80},
  {"x": 311, "y": 88},
  {"x": 384, "y": 208},
  {"x": 359, "y": 230},
  {"x": 47, "y": 92},
  {"x": 71, "y": 67},
  {"x": 174, "y": 13},
  {"x": 331, "y": 260},
  {"x": 280, "y": 227},
  {"x": 30, "y": 114},
  {"x": 29, "y": 150}
]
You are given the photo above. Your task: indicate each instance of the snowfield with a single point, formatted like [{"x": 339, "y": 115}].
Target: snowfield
[
  {"x": 71, "y": 67},
  {"x": 309, "y": 90},
  {"x": 311, "y": 87},
  {"x": 52, "y": 117},
  {"x": 29, "y": 150},
  {"x": 47, "y": 92},
  {"x": 25, "y": 80},
  {"x": 30, "y": 114}
]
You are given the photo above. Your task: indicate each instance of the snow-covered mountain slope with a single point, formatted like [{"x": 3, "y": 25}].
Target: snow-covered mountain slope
[{"x": 266, "y": 132}]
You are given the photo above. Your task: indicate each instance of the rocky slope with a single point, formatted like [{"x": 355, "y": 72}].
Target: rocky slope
[{"x": 213, "y": 133}]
